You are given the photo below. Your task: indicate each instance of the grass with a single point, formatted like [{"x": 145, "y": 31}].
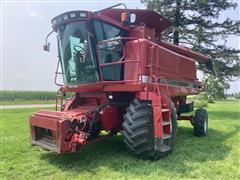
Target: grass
[{"x": 213, "y": 157}]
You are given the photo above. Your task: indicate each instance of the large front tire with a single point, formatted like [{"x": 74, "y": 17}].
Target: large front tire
[{"x": 138, "y": 131}]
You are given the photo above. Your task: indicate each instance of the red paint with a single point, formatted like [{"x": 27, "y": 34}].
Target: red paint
[
  {"x": 109, "y": 118},
  {"x": 143, "y": 57},
  {"x": 76, "y": 140}
]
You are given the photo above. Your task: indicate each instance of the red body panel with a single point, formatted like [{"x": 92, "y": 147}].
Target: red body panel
[
  {"x": 154, "y": 71},
  {"x": 142, "y": 57},
  {"x": 184, "y": 51},
  {"x": 53, "y": 121},
  {"x": 109, "y": 118}
]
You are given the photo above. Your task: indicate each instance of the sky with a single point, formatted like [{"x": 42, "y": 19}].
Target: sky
[{"x": 24, "y": 26}]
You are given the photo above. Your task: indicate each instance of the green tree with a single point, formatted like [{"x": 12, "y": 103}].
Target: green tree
[
  {"x": 214, "y": 88},
  {"x": 196, "y": 25}
]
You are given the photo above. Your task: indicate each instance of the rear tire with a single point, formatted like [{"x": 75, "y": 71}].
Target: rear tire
[
  {"x": 138, "y": 131},
  {"x": 200, "y": 123}
]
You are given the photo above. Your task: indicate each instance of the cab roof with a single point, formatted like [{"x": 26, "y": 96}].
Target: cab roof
[
  {"x": 143, "y": 16},
  {"x": 149, "y": 17}
]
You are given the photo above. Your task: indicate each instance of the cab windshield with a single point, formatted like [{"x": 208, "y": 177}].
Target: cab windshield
[{"x": 76, "y": 54}]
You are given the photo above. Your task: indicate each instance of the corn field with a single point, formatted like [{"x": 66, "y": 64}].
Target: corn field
[{"x": 26, "y": 95}]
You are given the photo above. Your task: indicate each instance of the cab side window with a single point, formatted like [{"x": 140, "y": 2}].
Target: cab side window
[
  {"x": 111, "y": 31},
  {"x": 111, "y": 51},
  {"x": 106, "y": 31}
]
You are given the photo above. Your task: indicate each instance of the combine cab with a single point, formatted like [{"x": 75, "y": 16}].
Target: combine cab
[{"x": 125, "y": 79}]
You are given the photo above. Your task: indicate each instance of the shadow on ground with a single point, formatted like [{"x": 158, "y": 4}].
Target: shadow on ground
[{"x": 112, "y": 153}]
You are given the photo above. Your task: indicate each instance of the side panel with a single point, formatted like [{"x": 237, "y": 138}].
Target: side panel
[
  {"x": 132, "y": 70},
  {"x": 169, "y": 64},
  {"x": 143, "y": 59},
  {"x": 163, "y": 61}
]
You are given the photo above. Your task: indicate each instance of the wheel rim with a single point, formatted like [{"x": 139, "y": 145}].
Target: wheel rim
[{"x": 205, "y": 126}]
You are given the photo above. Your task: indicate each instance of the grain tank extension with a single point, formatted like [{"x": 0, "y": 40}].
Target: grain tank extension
[{"x": 125, "y": 79}]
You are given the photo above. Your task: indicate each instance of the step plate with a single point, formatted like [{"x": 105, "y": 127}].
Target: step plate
[
  {"x": 164, "y": 148},
  {"x": 166, "y": 136},
  {"x": 165, "y": 110},
  {"x": 164, "y": 123}
]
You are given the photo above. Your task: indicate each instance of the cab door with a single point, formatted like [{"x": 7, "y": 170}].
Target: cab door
[{"x": 111, "y": 51}]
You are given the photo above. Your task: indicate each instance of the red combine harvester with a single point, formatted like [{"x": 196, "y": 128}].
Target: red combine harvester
[{"x": 125, "y": 79}]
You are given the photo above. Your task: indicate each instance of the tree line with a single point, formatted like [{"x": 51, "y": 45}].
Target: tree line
[{"x": 197, "y": 25}]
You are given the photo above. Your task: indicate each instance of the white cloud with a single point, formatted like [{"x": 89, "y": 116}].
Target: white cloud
[{"x": 33, "y": 12}]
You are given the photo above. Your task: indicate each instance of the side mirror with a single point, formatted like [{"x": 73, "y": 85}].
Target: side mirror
[
  {"x": 46, "y": 47},
  {"x": 125, "y": 18}
]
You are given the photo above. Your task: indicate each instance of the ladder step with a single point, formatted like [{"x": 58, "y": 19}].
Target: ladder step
[
  {"x": 166, "y": 136},
  {"x": 164, "y": 123},
  {"x": 165, "y": 110},
  {"x": 164, "y": 148}
]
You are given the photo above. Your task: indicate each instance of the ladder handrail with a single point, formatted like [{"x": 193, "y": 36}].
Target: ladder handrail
[
  {"x": 166, "y": 85},
  {"x": 151, "y": 75},
  {"x": 155, "y": 87},
  {"x": 59, "y": 94},
  {"x": 57, "y": 73},
  {"x": 157, "y": 77}
]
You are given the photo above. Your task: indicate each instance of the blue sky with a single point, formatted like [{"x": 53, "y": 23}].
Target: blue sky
[{"x": 24, "y": 27}]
